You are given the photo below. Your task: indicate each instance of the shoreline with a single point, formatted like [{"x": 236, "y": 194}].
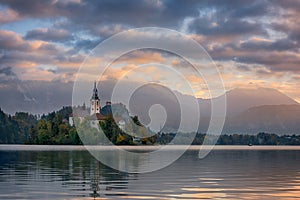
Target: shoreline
[{"x": 22, "y": 147}]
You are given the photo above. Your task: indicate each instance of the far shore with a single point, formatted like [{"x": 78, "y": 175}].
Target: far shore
[{"x": 21, "y": 147}]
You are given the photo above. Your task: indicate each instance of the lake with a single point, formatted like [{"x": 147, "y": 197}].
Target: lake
[{"x": 228, "y": 172}]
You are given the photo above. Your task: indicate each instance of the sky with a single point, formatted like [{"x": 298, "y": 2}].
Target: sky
[{"x": 253, "y": 43}]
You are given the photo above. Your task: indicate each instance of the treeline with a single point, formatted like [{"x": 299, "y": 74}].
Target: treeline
[
  {"x": 259, "y": 139},
  {"x": 25, "y": 128},
  {"x": 16, "y": 129},
  {"x": 239, "y": 139},
  {"x": 54, "y": 128}
]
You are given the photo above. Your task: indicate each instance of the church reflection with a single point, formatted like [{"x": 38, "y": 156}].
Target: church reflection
[{"x": 75, "y": 170}]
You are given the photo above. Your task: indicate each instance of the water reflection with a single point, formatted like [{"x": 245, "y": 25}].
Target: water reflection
[
  {"x": 227, "y": 174},
  {"x": 56, "y": 174}
]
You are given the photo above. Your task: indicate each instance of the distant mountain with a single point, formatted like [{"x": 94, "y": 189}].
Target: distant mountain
[
  {"x": 151, "y": 94},
  {"x": 256, "y": 110},
  {"x": 240, "y": 100},
  {"x": 36, "y": 97},
  {"x": 241, "y": 104},
  {"x": 279, "y": 119},
  {"x": 246, "y": 109}
]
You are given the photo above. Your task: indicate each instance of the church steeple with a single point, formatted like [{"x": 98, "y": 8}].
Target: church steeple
[
  {"x": 95, "y": 101},
  {"x": 95, "y": 92}
]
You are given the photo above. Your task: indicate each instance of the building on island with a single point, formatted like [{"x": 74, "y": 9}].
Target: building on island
[
  {"x": 95, "y": 102},
  {"x": 95, "y": 113}
]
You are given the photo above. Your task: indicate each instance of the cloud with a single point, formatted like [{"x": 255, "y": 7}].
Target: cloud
[
  {"x": 275, "y": 61},
  {"x": 12, "y": 41},
  {"x": 85, "y": 44},
  {"x": 92, "y": 14},
  {"x": 225, "y": 27},
  {"x": 139, "y": 57},
  {"x": 8, "y": 15},
  {"x": 35, "y": 8},
  {"x": 7, "y": 71},
  {"x": 24, "y": 55},
  {"x": 258, "y": 39},
  {"x": 287, "y": 19},
  {"x": 283, "y": 44},
  {"x": 49, "y": 34}
]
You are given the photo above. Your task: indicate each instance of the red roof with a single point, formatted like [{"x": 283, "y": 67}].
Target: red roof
[{"x": 97, "y": 116}]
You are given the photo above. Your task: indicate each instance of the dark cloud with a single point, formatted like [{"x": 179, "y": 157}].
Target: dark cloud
[
  {"x": 49, "y": 48},
  {"x": 290, "y": 28},
  {"x": 7, "y": 71},
  {"x": 104, "y": 18},
  {"x": 243, "y": 67},
  {"x": 225, "y": 27},
  {"x": 277, "y": 56},
  {"x": 12, "y": 41},
  {"x": 274, "y": 61},
  {"x": 288, "y": 19},
  {"x": 231, "y": 30},
  {"x": 85, "y": 44},
  {"x": 52, "y": 71},
  {"x": 36, "y": 8},
  {"x": 134, "y": 13},
  {"x": 49, "y": 34},
  {"x": 16, "y": 49},
  {"x": 278, "y": 45},
  {"x": 251, "y": 9},
  {"x": 94, "y": 15},
  {"x": 230, "y": 18}
]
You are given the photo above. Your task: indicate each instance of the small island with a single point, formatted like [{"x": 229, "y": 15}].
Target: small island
[{"x": 58, "y": 128}]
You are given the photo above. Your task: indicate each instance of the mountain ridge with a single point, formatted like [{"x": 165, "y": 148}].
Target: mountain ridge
[
  {"x": 239, "y": 100},
  {"x": 279, "y": 119}
]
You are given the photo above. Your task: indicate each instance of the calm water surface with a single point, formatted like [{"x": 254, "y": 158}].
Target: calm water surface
[{"x": 224, "y": 174}]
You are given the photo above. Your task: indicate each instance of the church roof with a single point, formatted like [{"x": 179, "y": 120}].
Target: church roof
[
  {"x": 95, "y": 92},
  {"x": 97, "y": 116}
]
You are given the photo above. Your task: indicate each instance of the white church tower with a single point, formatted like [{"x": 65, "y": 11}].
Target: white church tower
[{"x": 95, "y": 101}]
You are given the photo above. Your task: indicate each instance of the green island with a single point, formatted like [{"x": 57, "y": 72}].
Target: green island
[
  {"x": 54, "y": 129},
  {"x": 96, "y": 125}
]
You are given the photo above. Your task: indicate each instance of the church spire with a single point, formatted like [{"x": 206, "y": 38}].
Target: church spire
[
  {"x": 95, "y": 101},
  {"x": 95, "y": 92}
]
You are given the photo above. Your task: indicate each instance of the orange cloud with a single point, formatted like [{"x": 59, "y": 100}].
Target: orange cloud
[{"x": 8, "y": 15}]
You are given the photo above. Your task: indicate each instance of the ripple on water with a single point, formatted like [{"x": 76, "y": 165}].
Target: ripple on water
[{"x": 224, "y": 174}]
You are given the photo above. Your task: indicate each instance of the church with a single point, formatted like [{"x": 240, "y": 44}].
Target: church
[{"x": 95, "y": 113}]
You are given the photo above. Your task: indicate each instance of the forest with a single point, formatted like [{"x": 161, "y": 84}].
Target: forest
[{"x": 53, "y": 128}]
